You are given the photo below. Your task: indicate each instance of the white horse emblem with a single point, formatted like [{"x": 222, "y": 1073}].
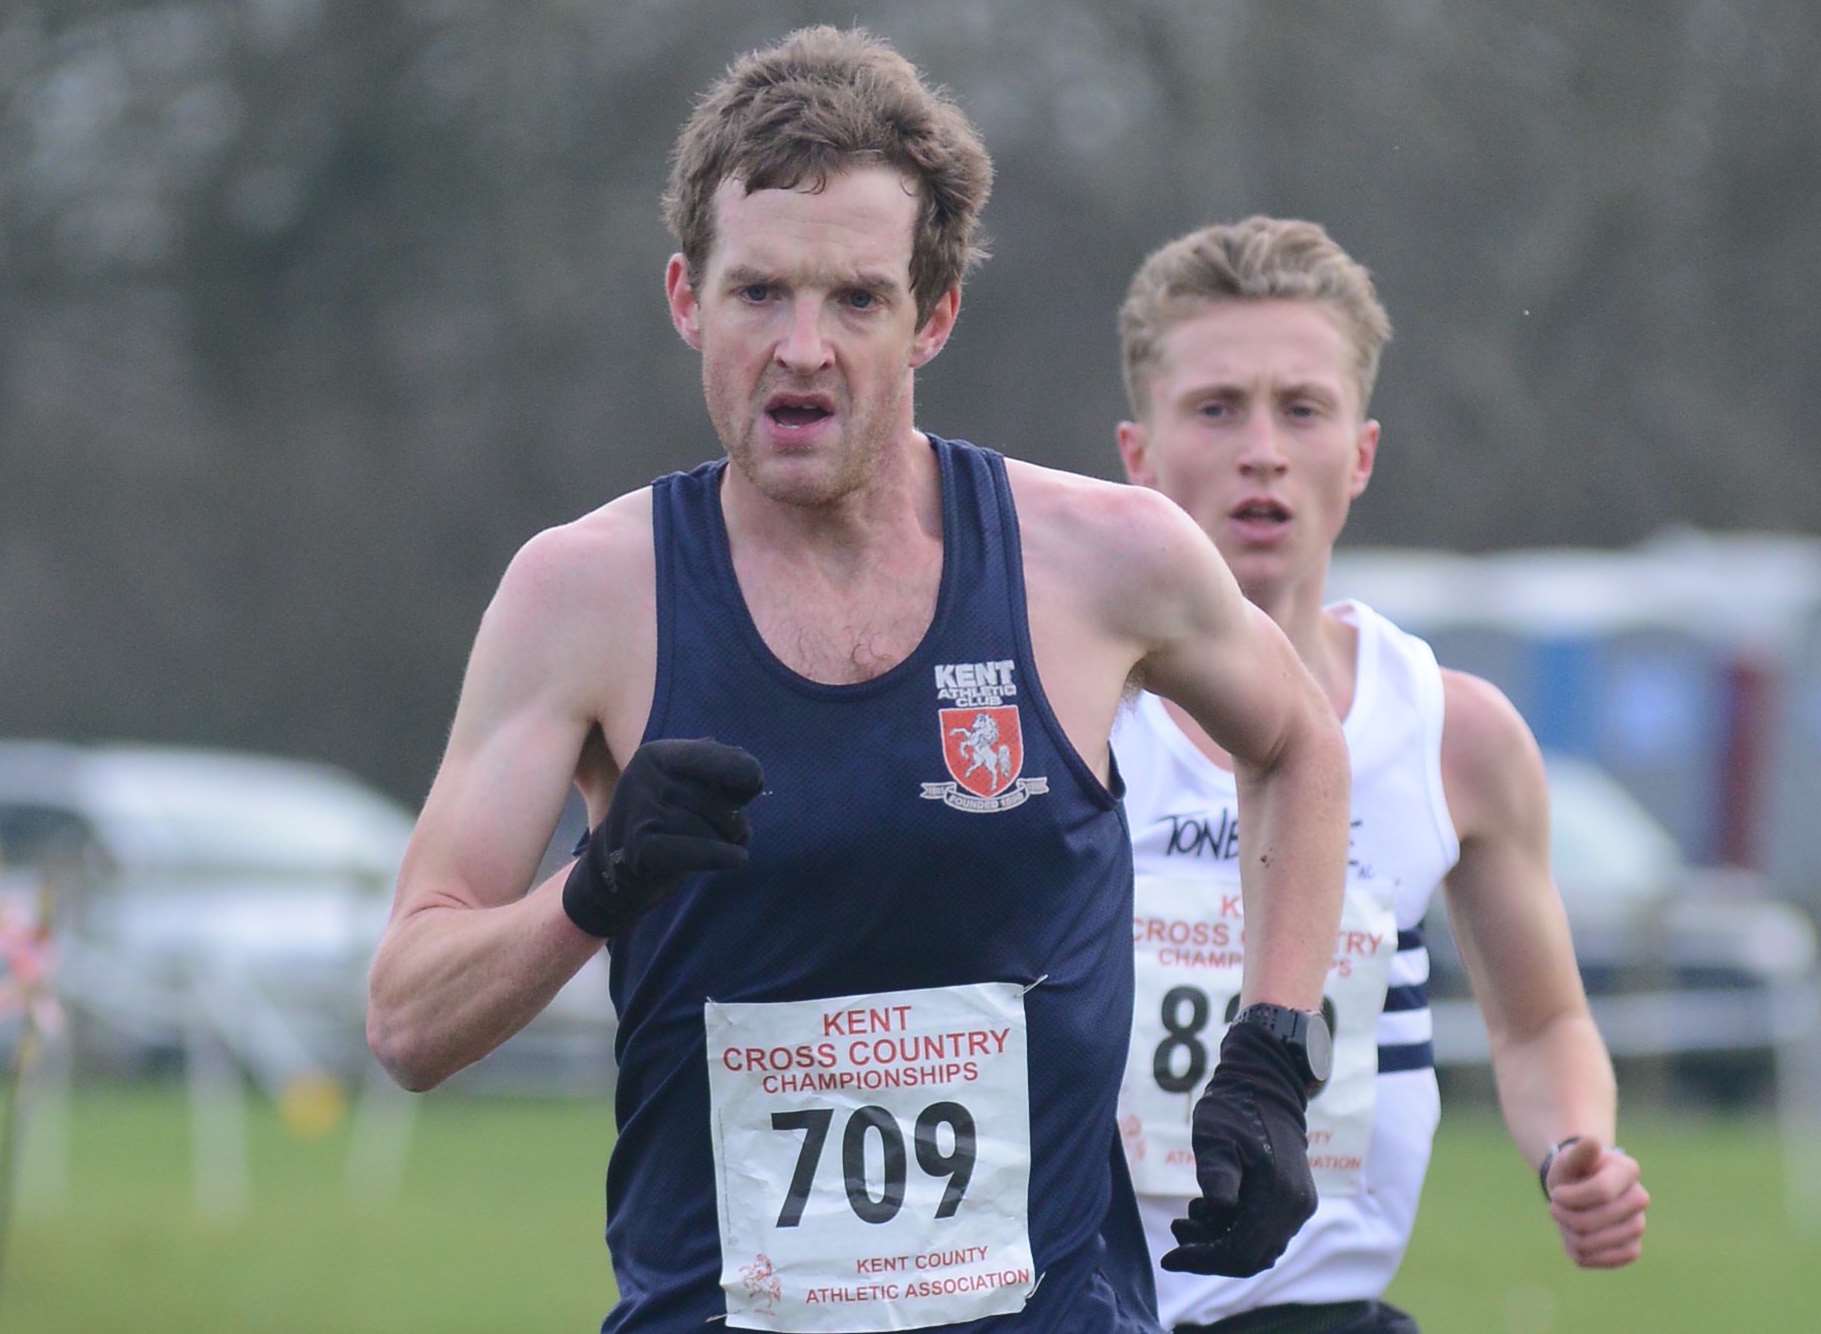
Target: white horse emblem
[
  {"x": 980, "y": 745},
  {"x": 983, "y": 747}
]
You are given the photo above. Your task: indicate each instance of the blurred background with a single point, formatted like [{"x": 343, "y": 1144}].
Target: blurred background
[{"x": 312, "y": 311}]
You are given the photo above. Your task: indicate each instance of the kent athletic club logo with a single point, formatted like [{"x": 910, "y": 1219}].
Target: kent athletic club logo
[{"x": 982, "y": 740}]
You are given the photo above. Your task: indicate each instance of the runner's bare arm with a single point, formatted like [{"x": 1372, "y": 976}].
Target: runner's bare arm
[
  {"x": 1553, "y": 1073},
  {"x": 1554, "y": 1076},
  {"x": 469, "y": 957},
  {"x": 1234, "y": 671}
]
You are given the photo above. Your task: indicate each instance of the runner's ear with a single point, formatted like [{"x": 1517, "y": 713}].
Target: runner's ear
[
  {"x": 933, "y": 336},
  {"x": 685, "y": 307},
  {"x": 1134, "y": 450},
  {"x": 1365, "y": 457}
]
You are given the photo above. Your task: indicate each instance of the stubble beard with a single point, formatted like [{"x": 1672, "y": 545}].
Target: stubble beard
[{"x": 842, "y": 467}]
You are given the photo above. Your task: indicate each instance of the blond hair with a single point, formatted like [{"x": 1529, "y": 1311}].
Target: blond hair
[
  {"x": 818, "y": 102},
  {"x": 1259, "y": 259}
]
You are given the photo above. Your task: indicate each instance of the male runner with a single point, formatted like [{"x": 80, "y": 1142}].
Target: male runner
[
  {"x": 839, "y": 704},
  {"x": 1250, "y": 352}
]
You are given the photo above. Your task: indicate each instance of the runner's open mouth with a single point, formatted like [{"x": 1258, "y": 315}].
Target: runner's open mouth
[
  {"x": 797, "y": 412},
  {"x": 1265, "y": 511},
  {"x": 797, "y": 416}
]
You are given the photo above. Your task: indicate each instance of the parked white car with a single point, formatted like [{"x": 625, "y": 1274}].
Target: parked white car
[{"x": 241, "y": 893}]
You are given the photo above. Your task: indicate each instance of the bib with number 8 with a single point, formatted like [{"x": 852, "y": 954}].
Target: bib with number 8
[{"x": 1188, "y": 968}]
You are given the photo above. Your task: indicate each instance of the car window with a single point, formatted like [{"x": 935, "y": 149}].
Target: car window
[{"x": 34, "y": 835}]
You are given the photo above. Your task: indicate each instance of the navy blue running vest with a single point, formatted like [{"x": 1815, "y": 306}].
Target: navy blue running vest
[{"x": 865, "y": 876}]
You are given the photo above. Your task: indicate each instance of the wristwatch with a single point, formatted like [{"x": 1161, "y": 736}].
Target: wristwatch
[{"x": 1305, "y": 1034}]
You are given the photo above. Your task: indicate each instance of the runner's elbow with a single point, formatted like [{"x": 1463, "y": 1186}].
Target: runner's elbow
[{"x": 403, "y": 1049}]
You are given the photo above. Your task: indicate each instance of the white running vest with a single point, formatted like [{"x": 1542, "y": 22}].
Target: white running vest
[{"x": 1370, "y": 1132}]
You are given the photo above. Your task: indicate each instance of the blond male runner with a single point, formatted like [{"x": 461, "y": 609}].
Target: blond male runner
[
  {"x": 1250, "y": 352},
  {"x": 839, "y": 706}
]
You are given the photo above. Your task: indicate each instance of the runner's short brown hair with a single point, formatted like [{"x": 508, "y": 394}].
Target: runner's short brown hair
[
  {"x": 1259, "y": 259},
  {"x": 819, "y": 102}
]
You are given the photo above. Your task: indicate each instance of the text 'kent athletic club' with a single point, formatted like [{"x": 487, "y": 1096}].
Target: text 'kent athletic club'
[{"x": 982, "y": 739}]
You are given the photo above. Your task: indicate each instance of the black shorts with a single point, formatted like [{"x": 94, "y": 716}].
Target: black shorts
[{"x": 1323, "y": 1318}]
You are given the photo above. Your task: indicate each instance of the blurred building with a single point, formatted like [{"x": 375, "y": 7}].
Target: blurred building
[{"x": 1689, "y": 667}]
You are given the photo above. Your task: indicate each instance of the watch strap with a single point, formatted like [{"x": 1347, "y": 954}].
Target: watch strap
[{"x": 1542, "y": 1171}]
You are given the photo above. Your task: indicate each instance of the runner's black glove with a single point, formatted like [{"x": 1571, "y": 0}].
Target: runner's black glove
[
  {"x": 1251, "y": 1159},
  {"x": 675, "y": 811}
]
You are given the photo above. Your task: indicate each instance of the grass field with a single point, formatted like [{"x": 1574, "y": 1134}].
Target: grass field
[{"x": 497, "y": 1227}]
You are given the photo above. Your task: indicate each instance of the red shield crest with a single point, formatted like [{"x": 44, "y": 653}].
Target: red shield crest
[{"x": 984, "y": 747}]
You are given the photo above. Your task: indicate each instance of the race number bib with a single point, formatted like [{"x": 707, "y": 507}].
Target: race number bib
[
  {"x": 1189, "y": 937},
  {"x": 872, "y": 1158}
]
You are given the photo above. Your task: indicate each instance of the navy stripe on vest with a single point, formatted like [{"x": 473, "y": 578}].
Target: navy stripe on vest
[
  {"x": 1412, "y": 997},
  {"x": 1395, "y": 1058},
  {"x": 1398, "y": 1057}
]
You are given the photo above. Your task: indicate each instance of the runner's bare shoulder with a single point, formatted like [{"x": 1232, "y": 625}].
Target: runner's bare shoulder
[
  {"x": 579, "y": 600},
  {"x": 1105, "y": 540},
  {"x": 598, "y": 564},
  {"x": 1492, "y": 768}
]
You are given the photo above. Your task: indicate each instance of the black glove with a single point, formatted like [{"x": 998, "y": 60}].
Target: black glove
[
  {"x": 675, "y": 811},
  {"x": 1251, "y": 1160}
]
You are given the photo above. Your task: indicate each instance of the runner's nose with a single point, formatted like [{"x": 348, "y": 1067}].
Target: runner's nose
[
  {"x": 802, "y": 349},
  {"x": 1261, "y": 452}
]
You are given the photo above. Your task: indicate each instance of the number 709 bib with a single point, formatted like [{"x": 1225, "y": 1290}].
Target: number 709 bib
[{"x": 872, "y": 1158}]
